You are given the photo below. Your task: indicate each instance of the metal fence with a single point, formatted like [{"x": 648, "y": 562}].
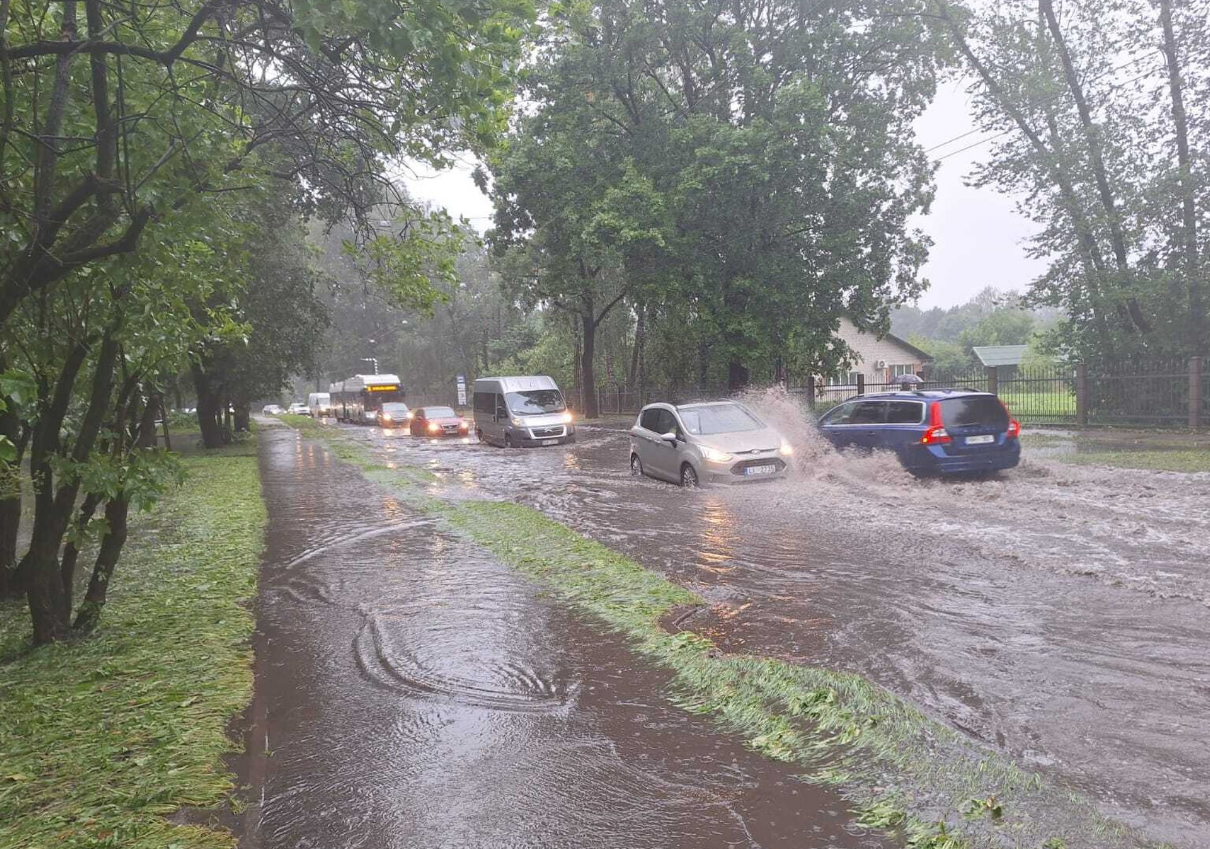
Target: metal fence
[{"x": 1154, "y": 392}]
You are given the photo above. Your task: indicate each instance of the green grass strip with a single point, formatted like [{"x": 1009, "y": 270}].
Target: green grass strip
[
  {"x": 903, "y": 773},
  {"x": 101, "y": 739},
  {"x": 1160, "y": 461}
]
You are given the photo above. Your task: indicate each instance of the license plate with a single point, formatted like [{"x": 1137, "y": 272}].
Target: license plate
[
  {"x": 980, "y": 440},
  {"x": 550, "y": 442},
  {"x": 759, "y": 470}
]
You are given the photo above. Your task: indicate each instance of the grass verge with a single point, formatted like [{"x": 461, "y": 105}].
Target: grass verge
[
  {"x": 903, "y": 773},
  {"x": 101, "y": 739},
  {"x": 1160, "y": 461}
]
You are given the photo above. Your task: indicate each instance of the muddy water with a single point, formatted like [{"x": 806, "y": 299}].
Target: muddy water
[
  {"x": 412, "y": 692},
  {"x": 1060, "y": 614}
]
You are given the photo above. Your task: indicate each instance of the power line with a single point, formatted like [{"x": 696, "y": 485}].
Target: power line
[
  {"x": 1042, "y": 102},
  {"x": 1013, "y": 129}
]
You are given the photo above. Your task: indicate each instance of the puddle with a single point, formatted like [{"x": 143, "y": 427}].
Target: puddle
[
  {"x": 1058, "y": 613},
  {"x": 413, "y": 692}
]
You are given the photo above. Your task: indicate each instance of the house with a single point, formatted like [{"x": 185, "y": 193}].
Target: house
[{"x": 877, "y": 360}]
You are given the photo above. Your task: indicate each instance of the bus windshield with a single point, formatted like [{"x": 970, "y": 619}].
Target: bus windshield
[{"x": 535, "y": 402}]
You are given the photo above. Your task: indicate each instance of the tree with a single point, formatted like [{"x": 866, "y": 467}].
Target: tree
[
  {"x": 746, "y": 167},
  {"x": 125, "y": 133},
  {"x": 1092, "y": 127}
]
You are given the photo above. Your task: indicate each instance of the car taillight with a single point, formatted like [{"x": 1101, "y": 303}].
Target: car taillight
[
  {"x": 936, "y": 434},
  {"x": 1014, "y": 426}
]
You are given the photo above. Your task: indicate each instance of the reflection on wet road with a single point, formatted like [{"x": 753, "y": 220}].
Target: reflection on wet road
[
  {"x": 1058, "y": 613},
  {"x": 413, "y": 692}
]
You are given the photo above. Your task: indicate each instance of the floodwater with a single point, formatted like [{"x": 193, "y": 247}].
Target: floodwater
[
  {"x": 413, "y": 692},
  {"x": 1057, "y": 613}
]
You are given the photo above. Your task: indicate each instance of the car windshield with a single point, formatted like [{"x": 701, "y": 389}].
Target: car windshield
[
  {"x": 973, "y": 410},
  {"x": 535, "y": 402},
  {"x": 718, "y": 418},
  {"x": 394, "y": 408},
  {"x": 439, "y": 413}
]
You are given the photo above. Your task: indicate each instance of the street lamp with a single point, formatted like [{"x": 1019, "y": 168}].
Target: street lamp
[{"x": 373, "y": 360}]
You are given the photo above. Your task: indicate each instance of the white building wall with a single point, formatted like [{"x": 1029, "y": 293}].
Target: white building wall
[{"x": 870, "y": 351}]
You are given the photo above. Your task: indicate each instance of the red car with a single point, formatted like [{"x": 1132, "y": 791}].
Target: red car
[{"x": 438, "y": 421}]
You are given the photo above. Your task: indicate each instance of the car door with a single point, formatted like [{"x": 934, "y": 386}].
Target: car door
[
  {"x": 865, "y": 424},
  {"x": 663, "y": 453},
  {"x": 647, "y": 439},
  {"x": 904, "y": 425}
]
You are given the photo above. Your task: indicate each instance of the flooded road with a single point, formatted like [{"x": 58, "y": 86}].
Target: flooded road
[
  {"x": 1060, "y": 614},
  {"x": 413, "y": 692}
]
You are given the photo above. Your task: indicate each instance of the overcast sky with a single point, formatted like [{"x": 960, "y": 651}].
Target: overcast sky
[{"x": 978, "y": 236}]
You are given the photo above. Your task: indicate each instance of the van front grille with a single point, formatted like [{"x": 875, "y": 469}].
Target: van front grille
[{"x": 548, "y": 432}]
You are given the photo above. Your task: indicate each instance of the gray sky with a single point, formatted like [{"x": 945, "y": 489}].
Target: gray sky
[{"x": 978, "y": 236}]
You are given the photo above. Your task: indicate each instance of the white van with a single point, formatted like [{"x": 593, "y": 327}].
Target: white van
[
  {"x": 320, "y": 404},
  {"x": 521, "y": 411}
]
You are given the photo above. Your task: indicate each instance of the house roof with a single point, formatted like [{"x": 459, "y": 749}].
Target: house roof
[
  {"x": 999, "y": 355},
  {"x": 925, "y": 356}
]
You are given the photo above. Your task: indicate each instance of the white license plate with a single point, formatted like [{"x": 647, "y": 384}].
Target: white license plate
[
  {"x": 759, "y": 470},
  {"x": 980, "y": 440},
  {"x": 550, "y": 442}
]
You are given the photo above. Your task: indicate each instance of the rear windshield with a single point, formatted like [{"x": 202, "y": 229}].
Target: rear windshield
[
  {"x": 973, "y": 410},
  {"x": 438, "y": 413},
  {"x": 718, "y": 418}
]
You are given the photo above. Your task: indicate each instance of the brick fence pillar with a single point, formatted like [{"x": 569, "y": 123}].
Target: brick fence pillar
[
  {"x": 993, "y": 380},
  {"x": 860, "y": 383}
]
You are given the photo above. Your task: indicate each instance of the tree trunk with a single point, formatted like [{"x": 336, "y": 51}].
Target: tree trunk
[
  {"x": 587, "y": 373},
  {"x": 637, "y": 353},
  {"x": 1198, "y": 344},
  {"x": 117, "y": 512},
  {"x": 10, "y": 505},
  {"x": 737, "y": 375},
  {"x": 243, "y": 416},
  {"x": 209, "y": 410},
  {"x": 71, "y": 551}
]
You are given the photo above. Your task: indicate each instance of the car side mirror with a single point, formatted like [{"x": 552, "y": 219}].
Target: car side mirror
[{"x": 669, "y": 437}]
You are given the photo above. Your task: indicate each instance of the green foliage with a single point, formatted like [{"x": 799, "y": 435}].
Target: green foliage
[
  {"x": 103, "y": 739},
  {"x": 743, "y": 173}
]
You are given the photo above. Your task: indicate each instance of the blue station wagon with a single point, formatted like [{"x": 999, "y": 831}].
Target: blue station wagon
[{"x": 937, "y": 431}]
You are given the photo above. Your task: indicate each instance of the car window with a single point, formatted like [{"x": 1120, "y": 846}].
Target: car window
[
  {"x": 650, "y": 419},
  {"x": 665, "y": 422},
  {"x": 868, "y": 412},
  {"x": 838, "y": 415},
  {"x": 973, "y": 410},
  {"x": 904, "y": 412}
]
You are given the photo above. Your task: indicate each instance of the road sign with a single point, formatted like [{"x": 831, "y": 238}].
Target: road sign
[{"x": 461, "y": 390}]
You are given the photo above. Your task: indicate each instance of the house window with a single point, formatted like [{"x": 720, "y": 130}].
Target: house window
[
  {"x": 900, "y": 371},
  {"x": 843, "y": 378}
]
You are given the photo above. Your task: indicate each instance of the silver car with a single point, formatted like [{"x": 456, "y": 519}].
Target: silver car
[{"x": 698, "y": 443}]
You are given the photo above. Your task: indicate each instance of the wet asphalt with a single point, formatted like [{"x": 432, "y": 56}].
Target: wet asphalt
[
  {"x": 1059, "y": 614},
  {"x": 411, "y": 691}
]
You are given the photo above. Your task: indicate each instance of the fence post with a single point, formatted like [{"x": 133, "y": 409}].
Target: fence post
[
  {"x": 860, "y": 383},
  {"x": 1081, "y": 394},
  {"x": 1195, "y": 392},
  {"x": 993, "y": 381}
]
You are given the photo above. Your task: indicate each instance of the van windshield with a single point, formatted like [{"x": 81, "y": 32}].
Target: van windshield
[
  {"x": 535, "y": 402},
  {"x": 718, "y": 418}
]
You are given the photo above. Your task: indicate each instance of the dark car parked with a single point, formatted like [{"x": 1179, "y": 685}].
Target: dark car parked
[{"x": 938, "y": 431}]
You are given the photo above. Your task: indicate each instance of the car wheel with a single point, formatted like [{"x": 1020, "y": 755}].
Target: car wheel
[
  {"x": 508, "y": 440},
  {"x": 689, "y": 477},
  {"x": 478, "y": 434},
  {"x": 636, "y": 466}
]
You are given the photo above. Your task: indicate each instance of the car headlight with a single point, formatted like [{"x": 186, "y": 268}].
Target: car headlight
[
  {"x": 786, "y": 449},
  {"x": 714, "y": 455},
  {"x": 386, "y": 417},
  {"x": 566, "y": 418},
  {"x": 516, "y": 420}
]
